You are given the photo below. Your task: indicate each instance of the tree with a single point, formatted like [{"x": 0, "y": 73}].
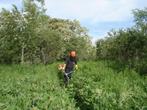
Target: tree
[
  {"x": 29, "y": 35},
  {"x": 127, "y": 47}
]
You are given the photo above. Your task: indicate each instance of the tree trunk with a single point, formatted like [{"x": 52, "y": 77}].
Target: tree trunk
[
  {"x": 43, "y": 57},
  {"x": 22, "y": 54}
]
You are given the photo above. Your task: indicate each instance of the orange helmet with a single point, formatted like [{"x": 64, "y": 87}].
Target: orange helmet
[{"x": 72, "y": 53}]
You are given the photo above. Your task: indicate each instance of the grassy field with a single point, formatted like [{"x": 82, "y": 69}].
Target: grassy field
[{"x": 93, "y": 86}]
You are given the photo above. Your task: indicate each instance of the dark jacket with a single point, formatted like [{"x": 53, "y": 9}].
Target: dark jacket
[{"x": 70, "y": 63}]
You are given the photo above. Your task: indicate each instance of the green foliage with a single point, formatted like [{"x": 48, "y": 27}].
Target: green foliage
[
  {"x": 93, "y": 86},
  {"x": 30, "y": 36},
  {"x": 128, "y": 47},
  {"x": 32, "y": 87},
  {"x": 74, "y": 37},
  {"x": 97, "y": 87}
]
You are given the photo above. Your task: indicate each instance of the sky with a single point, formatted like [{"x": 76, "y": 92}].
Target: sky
[{"x": 98, "y": 16}]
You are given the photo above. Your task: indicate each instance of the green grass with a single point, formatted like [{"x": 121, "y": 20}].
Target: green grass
[{"x": 94, "y": 86}]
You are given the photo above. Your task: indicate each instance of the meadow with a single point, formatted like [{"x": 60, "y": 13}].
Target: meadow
[{"x": 94, "y": 86}]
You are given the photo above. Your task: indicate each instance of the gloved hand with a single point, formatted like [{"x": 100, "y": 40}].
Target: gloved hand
[{"x": 76, "y": 67}]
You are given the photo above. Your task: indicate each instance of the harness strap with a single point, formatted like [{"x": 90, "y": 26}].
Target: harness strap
[{"x": 68, "y": 73}]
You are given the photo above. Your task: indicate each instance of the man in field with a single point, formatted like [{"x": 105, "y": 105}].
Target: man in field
[
  {"x": 70, "y": 63},
  {"x": 68, "y": 67}
]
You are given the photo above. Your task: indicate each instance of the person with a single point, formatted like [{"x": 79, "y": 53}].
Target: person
[{"x": 70, "y": 64}]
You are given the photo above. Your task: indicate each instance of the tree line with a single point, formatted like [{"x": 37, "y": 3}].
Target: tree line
[
  {"x": 29, "y": 35},
  {"x": 127, "y": 47}
]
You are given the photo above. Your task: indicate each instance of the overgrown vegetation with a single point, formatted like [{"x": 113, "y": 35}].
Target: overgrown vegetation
[
  {"x": 93, "y": 87},
  {"x": 127, "y": 47},
  {"x": 29, "y": 35}
]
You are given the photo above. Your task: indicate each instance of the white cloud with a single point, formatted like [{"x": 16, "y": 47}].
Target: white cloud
[
  {"x": 95, "y": 38},
  {"x": 87, "y": 10},
  {"x": 92, "y": 10},
  {"x": 96, "y": 13},
  {"x": 99, "y": 16}
]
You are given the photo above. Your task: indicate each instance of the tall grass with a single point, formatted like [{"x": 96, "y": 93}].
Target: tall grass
[
  {"x": 32, "y": 87},
  {"x": 93, "y": 86},
  {"x": 100, "y": 88}
]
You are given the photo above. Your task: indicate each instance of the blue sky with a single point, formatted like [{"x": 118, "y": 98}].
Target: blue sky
[{"x": 98, "y": 16}]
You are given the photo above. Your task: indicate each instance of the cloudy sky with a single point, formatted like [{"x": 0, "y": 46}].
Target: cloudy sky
[{"x": 98, "y": 16}]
